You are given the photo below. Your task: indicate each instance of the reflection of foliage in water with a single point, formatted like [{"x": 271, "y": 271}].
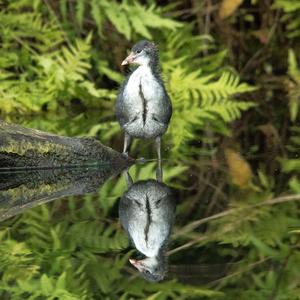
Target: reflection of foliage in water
[{"x": 59, "y": 73}]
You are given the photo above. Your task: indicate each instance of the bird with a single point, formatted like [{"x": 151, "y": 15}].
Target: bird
[
  {"x": 143, "y": 107},
  {"x": 147, "y": 213}
]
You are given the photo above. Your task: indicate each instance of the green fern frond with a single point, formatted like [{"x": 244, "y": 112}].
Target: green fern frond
[
  {"x": 45, "y": 287},
  {"x": 199, "y": 99},
  {"x": 228, "y": 110},
  {"x": 293, "y": 68},
  {"x": 68, "y": 65},
  {"x": 254, "y": 227},
  {"x": 291, "y": 164},
  {"x": 37, "y": 227},
  {"x": 17, "y": 261},
  {"x": 96, "y": 236},
  {"x": 127, "y": 18},
  {"x": 291, "y": 15},
  {"x": 227, "y": 85},
  {"x": 142, "y": 18},
  {"x": 293, "y": 85},
  {"x": 117, "y": 15},
  {"x": 80, "y": 11},
  {"x": 29, "y": 31}
]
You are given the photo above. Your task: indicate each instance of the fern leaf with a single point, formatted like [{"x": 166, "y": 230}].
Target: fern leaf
[
  {"x": 97, "y": 15},
  {"x": 80, "y": 10},
  {"x": 291, "y": 9},
  {"x": 293, "y": 85}
]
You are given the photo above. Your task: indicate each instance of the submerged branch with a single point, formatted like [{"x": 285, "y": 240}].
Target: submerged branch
[{"x": 193, "y": 225}]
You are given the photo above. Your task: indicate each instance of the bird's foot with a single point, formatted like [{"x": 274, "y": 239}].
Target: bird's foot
[
  {"x": 159, "y": 174},
  {"x": 125, "y": 154},
  {"x": 141, "y": 160}
]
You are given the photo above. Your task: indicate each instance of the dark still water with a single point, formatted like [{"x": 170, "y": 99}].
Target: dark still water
[{"x": 76, "y": 214}]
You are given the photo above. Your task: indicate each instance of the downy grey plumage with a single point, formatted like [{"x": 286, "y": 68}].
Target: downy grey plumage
[
  {"x": 147, "y": 212},
  {"x": 143, "y": 107}
]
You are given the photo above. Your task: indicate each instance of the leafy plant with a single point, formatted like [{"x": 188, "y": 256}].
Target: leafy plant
[
  {"x": 293, "y": 85},
  {"x": 128, "y": 18},
  {"x": 291, "y": 9}
]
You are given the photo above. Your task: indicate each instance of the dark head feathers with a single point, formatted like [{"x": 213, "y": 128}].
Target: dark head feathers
[{"x": 149, "y": 47}]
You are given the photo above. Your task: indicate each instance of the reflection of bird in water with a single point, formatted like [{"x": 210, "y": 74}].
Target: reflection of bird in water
[
  {"x": 200, "y": 274},
  {"x": 143, "y": 107},
  {"x": 147, "y": 212}
]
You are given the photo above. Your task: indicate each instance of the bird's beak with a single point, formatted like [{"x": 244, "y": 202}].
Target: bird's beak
[
  {"x": 129, "y": 59},
  {"x": 136, "y": 263}
]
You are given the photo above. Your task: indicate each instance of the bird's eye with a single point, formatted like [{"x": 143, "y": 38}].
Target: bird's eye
[{"x": 138, "y": 51}]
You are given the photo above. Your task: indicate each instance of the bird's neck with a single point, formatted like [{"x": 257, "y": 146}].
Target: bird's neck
[
  {"x": 160, "y": 254},
  {"x": 150, "y": 67},
  {"x": 144, "y": 68},
  {"x": 161, "y": 257}
]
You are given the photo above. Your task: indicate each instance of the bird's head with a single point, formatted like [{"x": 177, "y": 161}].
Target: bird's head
[
  {"x": 142, "y": 53},
  {"x": 151, "y": 268}
]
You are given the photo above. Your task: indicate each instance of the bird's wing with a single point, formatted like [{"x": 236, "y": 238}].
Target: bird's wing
[
  {"x": 166, "y": 108},
  {"x": 169, "y": 204},
  {"x": 121, "y": 114},
  {"x": 169, "y": 109},
  {"x": 124, "y": 212},
  {"x": 171, "y": 210}
]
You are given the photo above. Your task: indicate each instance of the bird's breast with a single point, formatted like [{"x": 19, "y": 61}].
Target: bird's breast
[
  {"x": 148, "y": 240},
  {"x": 148, "y": 228},
  {"x": 143, "y": 87},
  {"x": 143, "y": 104}
]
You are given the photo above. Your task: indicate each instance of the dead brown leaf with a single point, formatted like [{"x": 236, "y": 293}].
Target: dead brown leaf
[
  {"x": 228, "y": 7},
  {"x": 239, "y": 169},
  {"x": 271, "y": 134}
]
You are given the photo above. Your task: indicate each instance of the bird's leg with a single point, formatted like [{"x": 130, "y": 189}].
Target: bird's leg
[
  {"x": 127, "y": 142},
  {"x": 128, "y": 179},
  {"x": 159, "y": 175}
]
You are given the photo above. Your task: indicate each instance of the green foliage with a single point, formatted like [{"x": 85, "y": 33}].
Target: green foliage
[
  {"x": 291, "y": 164},
  {"x": 291, "y": 9},
  {"x": 17, "y": 262},
  {"x": 36, "y": 75},
  {"x": 128, "y": 18},
  {"x": 201, "y": 99},
  {"x": 293, "y": 85}
]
